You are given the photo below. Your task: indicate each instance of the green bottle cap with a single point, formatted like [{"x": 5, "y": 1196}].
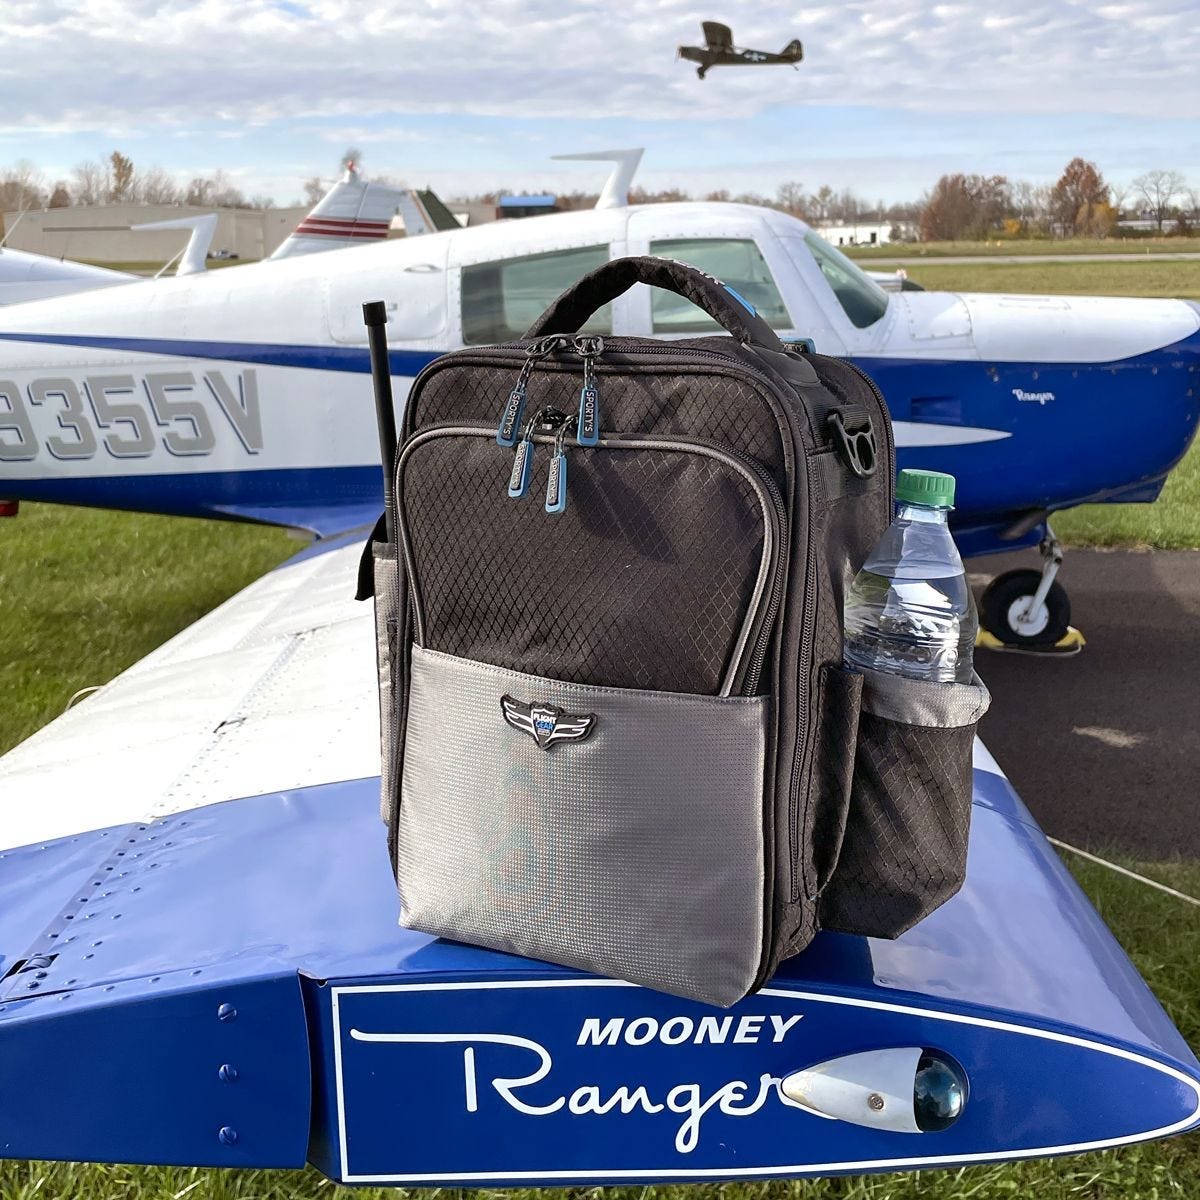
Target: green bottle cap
[{"x": 932, "y": 488}]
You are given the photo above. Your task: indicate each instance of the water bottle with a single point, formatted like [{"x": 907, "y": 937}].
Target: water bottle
[{"x": 909, "y": 610}]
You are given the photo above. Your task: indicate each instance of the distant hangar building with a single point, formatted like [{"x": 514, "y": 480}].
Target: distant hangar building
[{"x": 103, "y": 234}]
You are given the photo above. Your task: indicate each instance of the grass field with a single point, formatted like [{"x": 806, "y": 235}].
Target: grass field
[
  {"x": 112, "y": 586},
  {"x": 1154, "y": 278},
  {"x": 1027, "y": 246}
]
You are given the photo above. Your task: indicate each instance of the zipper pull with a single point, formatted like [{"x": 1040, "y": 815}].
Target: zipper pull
[
  {"x": 588, "y": 423},
  {"x": 518, "y": 480},
  {"x": 509, "y": 428},
  {"x": 522, "y": 467},
  {"x": 556, "y": 480},
  {"x": 514, "y": 407}
]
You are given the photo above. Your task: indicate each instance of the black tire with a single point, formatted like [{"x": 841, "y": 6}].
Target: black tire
[{"x": 996, "y": 603}]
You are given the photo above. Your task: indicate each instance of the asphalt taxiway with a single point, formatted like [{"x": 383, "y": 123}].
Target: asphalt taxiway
[{"x": 1104, "y": 747}]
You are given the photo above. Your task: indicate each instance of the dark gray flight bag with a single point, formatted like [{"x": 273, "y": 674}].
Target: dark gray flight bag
[{"x": 616, "y": 733}]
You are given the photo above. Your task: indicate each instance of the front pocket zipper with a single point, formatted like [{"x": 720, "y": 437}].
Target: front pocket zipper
[{"x": 743, "y": 670}]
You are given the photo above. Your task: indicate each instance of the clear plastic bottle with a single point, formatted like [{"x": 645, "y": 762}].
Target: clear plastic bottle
[{"x": 909, "y": 610}]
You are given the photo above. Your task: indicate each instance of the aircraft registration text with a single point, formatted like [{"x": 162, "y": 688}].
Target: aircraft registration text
[{"x": 185, "y": 413}]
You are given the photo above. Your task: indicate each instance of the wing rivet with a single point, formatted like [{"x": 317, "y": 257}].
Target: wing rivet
[
  {"x": 228, "y": 1073},
  {"x": 226, "y": 1013},
  {"x": 875, "y": 1102},
  {"x": 227, "y": 1135}
]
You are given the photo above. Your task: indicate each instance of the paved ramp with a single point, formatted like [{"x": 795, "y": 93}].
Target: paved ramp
[{"x": 1105, "y": 747}]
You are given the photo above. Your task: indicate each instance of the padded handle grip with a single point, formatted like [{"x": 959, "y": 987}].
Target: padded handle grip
[{"x": 614, "y": 278}]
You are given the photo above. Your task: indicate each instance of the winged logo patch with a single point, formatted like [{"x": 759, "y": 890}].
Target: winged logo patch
[{"x": 546, "y": 723}]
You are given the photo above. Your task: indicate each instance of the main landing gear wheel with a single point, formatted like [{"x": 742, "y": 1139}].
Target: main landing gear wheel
[{"x": 1007, "y": 612}]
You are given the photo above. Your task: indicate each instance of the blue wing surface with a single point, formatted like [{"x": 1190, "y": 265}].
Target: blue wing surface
[{"x": 198, "y": 922}]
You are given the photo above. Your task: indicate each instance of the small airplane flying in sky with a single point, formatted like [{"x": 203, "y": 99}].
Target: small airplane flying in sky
[{"x": 719, "y": 51}]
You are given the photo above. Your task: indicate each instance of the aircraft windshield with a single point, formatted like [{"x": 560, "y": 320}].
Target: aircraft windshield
[{"x": 863, "y": 300}]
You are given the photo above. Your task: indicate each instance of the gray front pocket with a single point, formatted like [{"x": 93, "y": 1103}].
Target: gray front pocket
[{"x": 631, "y": 846}]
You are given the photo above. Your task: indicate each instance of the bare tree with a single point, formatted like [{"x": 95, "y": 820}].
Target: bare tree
[
  {"x": 21, "y": 187},
  {"x": 156, "y": 186},
  {"x": 214, "y": 191},
  {"x": 1157, "y": 189},
  {"x": 821, "y": 202},
  {"x": 89, "y": 183},
  {"x": 791, "y": 197},
  {"x": 1120, "y": 193},
  {"x": 314, "y": 189}
]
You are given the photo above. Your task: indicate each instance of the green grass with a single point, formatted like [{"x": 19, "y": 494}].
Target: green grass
[
  {"x": 1031, "y": 246},
  {"x": 83, "y": 594},
  {"x": 1155, "y": 278}
]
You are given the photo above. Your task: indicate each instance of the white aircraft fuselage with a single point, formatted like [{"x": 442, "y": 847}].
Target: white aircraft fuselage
[{"x": 245, "y": 392}]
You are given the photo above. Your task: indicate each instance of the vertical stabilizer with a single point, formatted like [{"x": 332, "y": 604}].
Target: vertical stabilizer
[
  {"x": 350, "y": 213},
  {"x": 615, "y": 193}
]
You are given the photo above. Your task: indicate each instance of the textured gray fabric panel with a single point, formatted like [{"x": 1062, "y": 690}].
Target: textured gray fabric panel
[
  {"x": 635, "y": 853},
  {"x": 919, "y": 702},
  {"x": 387, "y": 589}
]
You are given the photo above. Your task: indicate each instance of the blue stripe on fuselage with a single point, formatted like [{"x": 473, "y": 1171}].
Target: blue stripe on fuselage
[
  {"x": 325, "y": 500},
  {"x": 320, "y": 358}
]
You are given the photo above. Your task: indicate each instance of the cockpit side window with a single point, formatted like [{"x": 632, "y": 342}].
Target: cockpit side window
[
  {"x": 861, "y": 298},
  {"x": 501, "y": 299},
  {"x": 737, "y": 262}
]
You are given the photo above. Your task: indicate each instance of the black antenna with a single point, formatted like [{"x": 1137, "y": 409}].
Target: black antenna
[{"x": 375, "y": 318}]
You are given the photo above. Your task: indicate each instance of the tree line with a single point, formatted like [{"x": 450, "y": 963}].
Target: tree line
[
  {"x": 116, "y": 180},
  {"x": 958, "y": 207}
]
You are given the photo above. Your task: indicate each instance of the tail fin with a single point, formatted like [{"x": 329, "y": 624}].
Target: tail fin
[
  {"x": 350, "y": 213},
  {"x": 794, "y": 50},
  {"x": 424, "y": 212}
]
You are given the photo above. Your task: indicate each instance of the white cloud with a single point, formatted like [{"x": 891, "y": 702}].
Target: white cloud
[{"x": 148, "y": 63}]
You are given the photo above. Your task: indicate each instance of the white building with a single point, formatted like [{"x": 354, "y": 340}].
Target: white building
[{"x": 862, "y": 233}]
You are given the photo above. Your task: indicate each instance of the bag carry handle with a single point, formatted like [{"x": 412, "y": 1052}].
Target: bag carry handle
[{"x": 572, "y": 309}]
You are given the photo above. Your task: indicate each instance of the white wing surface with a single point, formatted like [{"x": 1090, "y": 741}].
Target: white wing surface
[{"x": 273, "y": 689}]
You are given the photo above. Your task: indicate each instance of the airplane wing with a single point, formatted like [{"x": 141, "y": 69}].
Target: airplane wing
[
  {"x": 274, "y": 688},
  {"x": 717, "y": 36},
  {"x": 26, "y": 276},
  {"x": 196, "y": 901}
]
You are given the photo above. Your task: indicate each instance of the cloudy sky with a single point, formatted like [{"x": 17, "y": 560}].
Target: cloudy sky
[{"x": 470, "y": 96}]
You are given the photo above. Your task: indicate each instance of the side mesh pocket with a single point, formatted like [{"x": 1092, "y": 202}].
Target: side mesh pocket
[
  {"x": 905, "y": 848},
  {"x": 838, "y": 700},
  {"x": 386, "y": 575}
]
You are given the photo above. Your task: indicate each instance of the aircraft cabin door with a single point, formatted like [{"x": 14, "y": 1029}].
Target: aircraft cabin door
[{"x": 413, "y": 286}]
